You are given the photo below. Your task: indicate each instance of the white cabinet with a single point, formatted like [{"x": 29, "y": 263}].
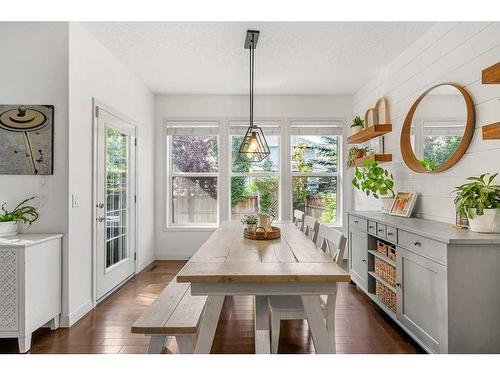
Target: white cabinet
[
  {"x": 30, "y": 285},
  {"x": 421, "y": 298}
]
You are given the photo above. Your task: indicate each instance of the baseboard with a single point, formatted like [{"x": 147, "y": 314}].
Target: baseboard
[
  {"x": 171, "y": 257},
  {"x": 75, "y": 316},
  {"x": 145, "y": 264}
]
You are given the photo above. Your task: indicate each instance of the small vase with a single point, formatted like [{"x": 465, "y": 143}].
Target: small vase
[
  {"x": 358, "y": 154},
  {"x": 8, "y": 228},
  {"x": 484, "y": 223},
  {"x": 386, "y": 204}
]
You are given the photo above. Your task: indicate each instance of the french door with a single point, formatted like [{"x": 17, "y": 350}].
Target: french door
[{"x": 115, "y": 215}]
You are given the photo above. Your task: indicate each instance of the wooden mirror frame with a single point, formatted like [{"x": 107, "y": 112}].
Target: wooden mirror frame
[{"x": 407, "y": 151}]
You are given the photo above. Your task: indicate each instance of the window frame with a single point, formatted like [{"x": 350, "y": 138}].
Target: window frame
[
  {"x": 170, "y": 174},
  {"x": 338, "y": 130}
]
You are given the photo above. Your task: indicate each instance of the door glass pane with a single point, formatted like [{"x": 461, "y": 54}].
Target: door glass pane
[
  {"x": 316, "y": 196},
  {"x": 194, "y": 200},
  {"x": 117, "y": 169}
]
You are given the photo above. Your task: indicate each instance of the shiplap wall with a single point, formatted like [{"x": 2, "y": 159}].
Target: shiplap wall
[{"x": 448, "y": 52}]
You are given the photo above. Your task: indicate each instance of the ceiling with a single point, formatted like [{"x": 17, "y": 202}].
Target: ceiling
[{"x": 291, "y": 57}]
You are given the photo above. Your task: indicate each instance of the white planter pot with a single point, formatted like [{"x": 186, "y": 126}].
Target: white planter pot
[
  {"x": 356, "y": 129},
  {"x": 8, "y": 228},
  {"x": 386, "y": 205},
  {"x": 251, "y": 227},
  {"x": 484, "y": 223}
]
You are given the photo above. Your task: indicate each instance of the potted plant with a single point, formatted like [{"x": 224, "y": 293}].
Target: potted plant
[
  {"x": 250, "y": 222},
  {"x": 354, "y": 153},
  {"x": 9, "y": 220},
  {"x": 357, "y": 124},
  {"x": 376, "y": 181},
  {"x": 479, "y": 200}
]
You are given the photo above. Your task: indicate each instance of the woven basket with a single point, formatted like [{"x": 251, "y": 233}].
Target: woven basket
[
  {"x": 382, "y": 248},
  {"x": 260, "y": 234},
  {"x": 385, "y": 295},
  {"x": 385, "y": 271},
  {"x": 391, "y": 252}
]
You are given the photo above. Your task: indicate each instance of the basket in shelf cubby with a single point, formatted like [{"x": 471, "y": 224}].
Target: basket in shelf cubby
[
  {"x": 382, "y": 248},
  {"x": 385, "y": 271},
  {"x": 385, "y": 295},
  {"x": 391, "y": 252}
]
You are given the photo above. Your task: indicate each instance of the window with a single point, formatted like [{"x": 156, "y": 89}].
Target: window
[
  {"x": 193, "y": 174},
  {"x": 254, "y": 185},
  {"x": 314, "y": 153}
]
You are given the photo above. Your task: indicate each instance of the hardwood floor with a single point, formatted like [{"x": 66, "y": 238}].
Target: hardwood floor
[{"x": 360, "y": 326}]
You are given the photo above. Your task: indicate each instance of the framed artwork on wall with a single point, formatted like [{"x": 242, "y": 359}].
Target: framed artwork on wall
[
  {"x": 403, "y": 203},
  {"x": 26, "y": 139}
]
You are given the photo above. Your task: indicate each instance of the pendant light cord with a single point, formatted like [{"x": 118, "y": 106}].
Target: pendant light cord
[{"x": 252, "y": 48}]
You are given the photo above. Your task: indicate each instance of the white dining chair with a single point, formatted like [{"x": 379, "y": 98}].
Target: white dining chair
[
  {"x": 298, "y": 219},
  {"x": 332, "y": 242},
  {"x": 310, "y": 227}
]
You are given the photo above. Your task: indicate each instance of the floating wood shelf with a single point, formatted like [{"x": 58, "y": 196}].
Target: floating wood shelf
[
  {"x": 370, "y": 132},
  {"x": 491, "y": 75},
  {"x": 491, "y": 131},
  {"x": 381, "y": 158}
]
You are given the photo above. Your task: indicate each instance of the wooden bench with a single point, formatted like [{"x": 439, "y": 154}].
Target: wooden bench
[{"x": 175, "y": 313}]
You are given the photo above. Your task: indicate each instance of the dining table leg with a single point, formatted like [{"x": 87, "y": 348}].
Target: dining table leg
[
  {"x": 208, "y": 324},
  {"x": 262, "y": 333},
  {"x": 316, "y": 321}
]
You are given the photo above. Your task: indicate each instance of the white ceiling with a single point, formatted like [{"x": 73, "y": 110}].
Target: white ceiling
[{"x": 291, "y": 57}]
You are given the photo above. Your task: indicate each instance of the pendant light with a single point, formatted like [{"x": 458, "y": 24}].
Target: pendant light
[{"x": 254, "y": 145}]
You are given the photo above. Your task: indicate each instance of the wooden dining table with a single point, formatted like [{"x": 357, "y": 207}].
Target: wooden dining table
[{"x": 228, "y": 264}]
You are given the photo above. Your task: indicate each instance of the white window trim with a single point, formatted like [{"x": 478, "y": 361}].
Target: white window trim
[
  {"x": 225, "y": 167},
  {"x": 168, "y": 175}
]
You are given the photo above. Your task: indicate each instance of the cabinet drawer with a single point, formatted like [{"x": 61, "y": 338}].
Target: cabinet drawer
[
  {"x": 392, "y": 234},
  {"x": 372, "y": 227},
  {"x": 381, "y": 230},
  {"x": 358, "y": 222},
  {"x": 421, "y": 245}
]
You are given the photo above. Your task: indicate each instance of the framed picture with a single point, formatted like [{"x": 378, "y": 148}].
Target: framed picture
[
  {"x": 26, "y": 139},
  {"x": 403, "y": 203}
]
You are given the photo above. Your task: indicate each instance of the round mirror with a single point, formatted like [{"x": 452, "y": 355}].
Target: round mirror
[{"x": 438, "y": 129}]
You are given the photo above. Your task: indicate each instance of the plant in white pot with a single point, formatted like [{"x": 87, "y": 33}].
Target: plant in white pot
[
  {"x": 479, "y": 200},
  {"x": 375, "y": 181},
  {"x": 357, "y": 125},
  {"x": 250, "y": 222},
  {"x": 9, "y": 220}
]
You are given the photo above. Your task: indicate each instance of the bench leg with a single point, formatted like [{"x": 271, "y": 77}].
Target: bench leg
[
  {"x": 156, "y": 344},
  {"x": 316, "y": 322},
  {"x": 208, "y": 324},
  {"x": 185, "y": 344}
]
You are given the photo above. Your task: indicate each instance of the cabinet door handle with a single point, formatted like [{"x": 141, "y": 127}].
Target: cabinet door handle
[
  {"x": 364, "y": 260},
  {"x": 398, "y": 285},
  {"x": 389, "y": 233},
  {"x": 416, "y": 243}
]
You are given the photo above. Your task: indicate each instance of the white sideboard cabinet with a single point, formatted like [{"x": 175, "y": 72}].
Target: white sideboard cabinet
[
  {"x": 30, "y": 285},
  {"x": 447, "y": 280}
]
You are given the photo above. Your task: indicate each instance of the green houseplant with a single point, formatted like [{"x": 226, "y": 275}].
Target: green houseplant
[
  {"x": 250, "y": 221},
  {"x": 376, "y": 181},
  {"x": 357, "y": 124},
  {"x": 10, "y": 219},
  {"x": 479, "y": 200},
  {"x": 354, "y": 153}
]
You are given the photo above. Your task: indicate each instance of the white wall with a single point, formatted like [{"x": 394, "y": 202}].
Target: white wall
[
  {"x": 178, "y": 244},
  {"x": 95, "y": 72},
  {"x": 448, "y": 52},
  {"x": 34, "y": 70}
]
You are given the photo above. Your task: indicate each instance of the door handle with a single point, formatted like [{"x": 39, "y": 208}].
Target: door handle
[
  {"x": 100, "y": 205},
  {"x": 100, "y": 219},
  {"x": 398, "y": 285}
]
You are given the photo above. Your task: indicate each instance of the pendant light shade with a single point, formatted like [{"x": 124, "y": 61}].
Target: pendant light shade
[{"x": 254, "y": 145}]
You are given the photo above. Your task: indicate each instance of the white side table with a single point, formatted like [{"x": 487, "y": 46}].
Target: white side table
[{"x": 30, "y": 285}]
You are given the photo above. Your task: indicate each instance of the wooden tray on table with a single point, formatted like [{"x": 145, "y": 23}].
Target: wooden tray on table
[{"x": 260, "y": 234}]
